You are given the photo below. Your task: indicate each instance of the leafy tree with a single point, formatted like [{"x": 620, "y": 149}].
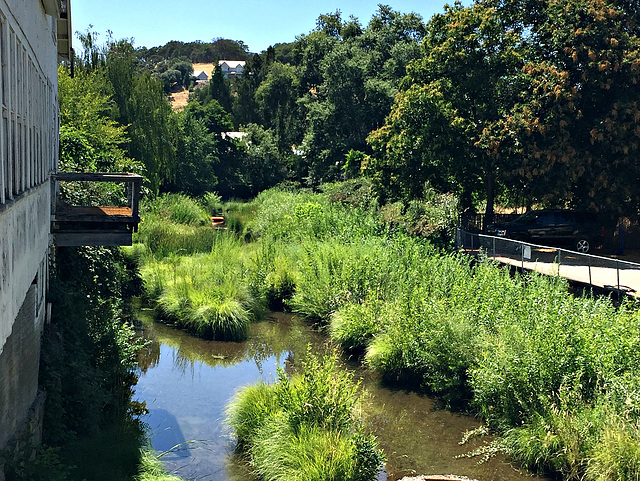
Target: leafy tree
[
  {"x": 447, "y": 122},
  {"x": 93, "y": 55},
  {"x": 577, "y": 129},
  {"x": 197, "y": 158},
  {"x": 207, "y": 159},
  {"x": 170, "y": 78},
  {"x": 263, "y": 164},
  {"x": 143, "y": 108},
  {"x": 85, "y": 120},
  {"x": 219, "y": 88},
  {"x": 196, "y": 52},
  {"x": 347, "y": 88},
  {"x": 276, "y": 99}
]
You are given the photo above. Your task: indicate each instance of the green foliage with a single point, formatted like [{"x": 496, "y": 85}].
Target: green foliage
[
  {"x": 263, "y": 164},
  {"x": 354, "y": 192},
  {"x": 196, "y": 52},
  {"x": 287, "y": 215},
  {"x": 46, "y": 465},
  {"x": 212, "y": 203},
  {"x": 174, "y": 223},
  {"x": 177, "y": 208},
  {"x": 205, "y": 294},
  {"x": 354, "y": 326},
  {"x": 90, "y": 348},
  {"x": 273, "y": 274},
  {"x": 306, "y": 427},
  {"x": 276, "y": 97},
  {"x": 143, "y": 108},
  {"x": 555, "y": 373},
  {"x": 617, "y": 455},
  {"x": 151, "y": 468}
]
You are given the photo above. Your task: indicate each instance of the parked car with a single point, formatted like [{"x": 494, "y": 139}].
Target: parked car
[{"x": 580, "y": 230}]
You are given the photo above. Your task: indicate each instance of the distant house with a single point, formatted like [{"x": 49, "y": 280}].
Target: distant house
[
  {"x": 234, "y": 135},
  {"x": 200, "y": 76},
  {"x": 232, "y": 68}
]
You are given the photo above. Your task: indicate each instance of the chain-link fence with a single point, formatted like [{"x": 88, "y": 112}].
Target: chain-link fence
[{"x": 597, "y": 271}]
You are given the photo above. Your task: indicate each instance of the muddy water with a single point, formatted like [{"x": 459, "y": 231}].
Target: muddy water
[{"x": 186, "y": 383}]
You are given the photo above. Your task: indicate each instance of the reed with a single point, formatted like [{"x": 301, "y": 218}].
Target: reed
[
  {"x": 151, "y": 468},
  {"x": 206, "y": 294},
  {"x": 307, "y": 427}
]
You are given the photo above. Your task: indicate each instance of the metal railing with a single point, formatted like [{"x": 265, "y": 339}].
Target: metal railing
[{"x": 597, "y": 271}]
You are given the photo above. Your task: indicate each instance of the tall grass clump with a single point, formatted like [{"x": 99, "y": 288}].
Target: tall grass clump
[
  {"x": 273, "y": 272},
  {"x": 282, "y": 214},
  {"x": 307, "y": 428},
  {"x": 151, "y": 468},
  {"x": 175, "y": 224},
  {"x": 206, "y": 294}
]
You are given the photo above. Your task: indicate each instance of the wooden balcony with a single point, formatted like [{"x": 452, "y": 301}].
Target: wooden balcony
[{"x": 90, "y": 225}]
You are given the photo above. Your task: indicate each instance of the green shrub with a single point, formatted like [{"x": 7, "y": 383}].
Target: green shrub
[
  {"x": 212, "y": 203},
  {"x": 355, "y": 325},
  {"x": 306, "y": 427},
  {"x": 427, "y": 344}
]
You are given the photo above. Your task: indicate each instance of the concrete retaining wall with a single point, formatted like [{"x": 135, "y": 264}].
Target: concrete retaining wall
[{"x": 28, "y": 156}]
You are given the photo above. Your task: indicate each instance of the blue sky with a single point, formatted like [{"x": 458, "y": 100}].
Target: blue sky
[{"x": 258, "y": 23}]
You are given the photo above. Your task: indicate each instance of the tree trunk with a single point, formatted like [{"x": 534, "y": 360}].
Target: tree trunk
[{"x": 489, "y": 185}]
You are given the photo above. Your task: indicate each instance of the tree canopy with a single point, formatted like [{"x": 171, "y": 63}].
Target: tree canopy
[{"x": 495, "y": 101}]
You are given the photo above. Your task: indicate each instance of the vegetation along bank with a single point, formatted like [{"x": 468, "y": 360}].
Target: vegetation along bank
[{"x": 552, "y": 373}]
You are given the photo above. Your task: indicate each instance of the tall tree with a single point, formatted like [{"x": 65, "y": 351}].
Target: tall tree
[
  {"x": 446, "y": 124},
  {"x": 276, "y": 98},
  {"x": 143, "y": 108},
  {"x": 577, "y": 128},
  {"x": 219, "y": 88}
]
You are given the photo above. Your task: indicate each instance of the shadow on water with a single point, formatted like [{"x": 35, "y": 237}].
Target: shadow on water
[{"x": 186, "y": 383}]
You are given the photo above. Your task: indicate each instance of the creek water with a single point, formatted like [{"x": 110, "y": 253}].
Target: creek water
[{"x": 186, "y": 383}]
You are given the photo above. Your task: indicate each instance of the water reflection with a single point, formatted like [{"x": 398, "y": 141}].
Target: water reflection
[{"x": 186, "y": 383}]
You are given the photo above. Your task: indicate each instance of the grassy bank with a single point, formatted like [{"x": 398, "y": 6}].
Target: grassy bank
[{"x": 554, "y": 374}]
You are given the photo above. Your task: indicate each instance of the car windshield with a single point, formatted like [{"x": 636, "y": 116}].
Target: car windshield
[{"x": 526, "y": 217}]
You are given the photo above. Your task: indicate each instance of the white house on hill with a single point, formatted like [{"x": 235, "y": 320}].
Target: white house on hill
[
  {"x": 200, "y": 76},
  {"x": 232, "y": 68}
]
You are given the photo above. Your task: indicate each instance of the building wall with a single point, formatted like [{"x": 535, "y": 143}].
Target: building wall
[{"x": 28, "y": 155}]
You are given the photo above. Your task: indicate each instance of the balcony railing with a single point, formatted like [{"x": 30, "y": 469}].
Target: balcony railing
[{"x": 94, "y": 225}]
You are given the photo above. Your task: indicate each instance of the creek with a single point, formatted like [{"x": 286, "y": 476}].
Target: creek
[{"x": 186, "y": 383}]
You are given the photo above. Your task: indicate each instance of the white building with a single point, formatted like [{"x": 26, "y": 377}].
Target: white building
[
  {"x": 200, "y": 76},
  {"x": 232, "y": 68},
  {"x": 34, "y": 36}
]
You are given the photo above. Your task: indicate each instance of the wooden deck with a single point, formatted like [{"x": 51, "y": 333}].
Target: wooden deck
[
  {"x": 609, "y": 278},
  {"x": 93, "y": 214},
  {"x": 95, "y": 225}
]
